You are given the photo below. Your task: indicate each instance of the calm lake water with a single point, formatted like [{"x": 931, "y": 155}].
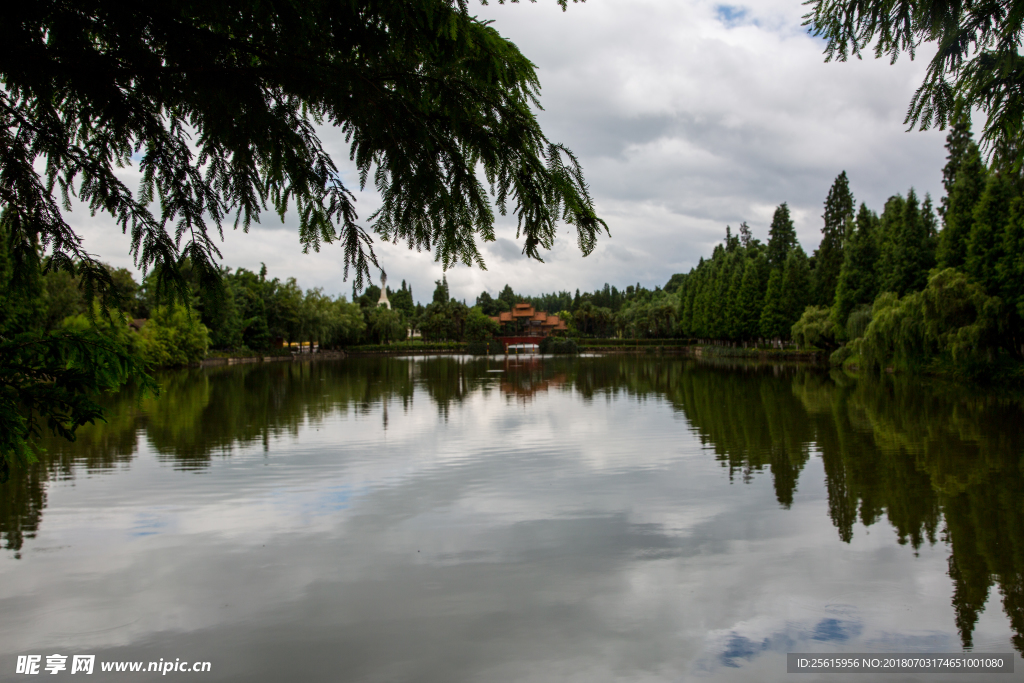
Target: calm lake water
[{"x": 459, "y": 519}]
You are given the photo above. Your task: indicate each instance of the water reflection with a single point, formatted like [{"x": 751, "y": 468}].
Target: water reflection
[{"x": 938, "y": 465}]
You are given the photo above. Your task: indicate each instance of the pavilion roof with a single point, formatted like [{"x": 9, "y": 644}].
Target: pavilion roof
[{"x": 522, "y": 311}]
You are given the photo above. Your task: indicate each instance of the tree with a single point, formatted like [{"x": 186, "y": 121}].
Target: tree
[
  {"x": 781, "y": 237},
  {"x": 795, "y": 285},
  {"x": 172, "y": 338},
  {"x": 907, "y": 249},
  {"x": 385, "y": 324},
  {"x": 746, "y": 237},
  {"x": 733, "y": 304},
  {"x": 858, "y": 282},
  {"x": 751, "y": 297},
  {"x": 89, "y": 86},
  {"x": 815, "y": 329},
  {"x": 774, "y": 321},
  {"x": 1011, "y": 268},
  {"x": 21, "y": 308},
  {"x": 967, "y": 187},
  {"x": 218, "y": 104},
  {"x": 402, "y": 300},
  {"x": 985, "y": 243},
  {"x": 441, "y": 291},
  {"x": 976, "y": 65},
  {"x": 507, "y": 298},
  {"x": 838, "y": 219},
  {"x": 958, "y": 143},
  {"x": 479, "y": 326}
]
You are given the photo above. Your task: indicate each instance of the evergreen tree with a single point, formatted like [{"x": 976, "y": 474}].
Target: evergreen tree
[
  {"x": 752, "y": 296},
  {"x": 986, "y": 242},
  {"x": 838, "y": 216},
  {"x": 731, "y": 243},
  {"x": 718, "y": 291},
  {"x": 700, "y": 297},
  {"x": 22, "y": 307},
  {"x": 402, "y": 300},
  {"x": 795, "y": 286},
  {"x": 930, "y": 224},
  {"x": 1010, "y": 274},
  {"x": 746, "y": 237},
  {"x": 508, "y": 298},
  {"x": 857, "y": 278},
  {"x": 733, "y": 305},
  {"x": 774, "y": 320},
  {"x": 220, "y": 105},
  {"x": 958, "y": 144},
  {"x": 487, "y": 304},
  {"x": 440, "y": 291},
  {"x": 906, "y": 249},
  {"x": 959, "y": 214},
  {"x": 781, "y": 237}
]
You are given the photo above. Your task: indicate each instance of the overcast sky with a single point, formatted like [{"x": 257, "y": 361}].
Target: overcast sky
[{"x": 687, "y": 116}]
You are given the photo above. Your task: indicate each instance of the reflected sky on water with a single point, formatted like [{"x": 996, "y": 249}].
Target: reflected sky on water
[{"x": 637, "y": 518}]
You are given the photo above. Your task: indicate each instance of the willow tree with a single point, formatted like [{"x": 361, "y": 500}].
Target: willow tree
[{"x": 220, "y": 107}]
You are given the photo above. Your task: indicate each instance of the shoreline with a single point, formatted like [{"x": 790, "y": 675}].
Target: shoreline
[
  {"x": 689, "y": 350},
  {"x": 237, "y": 360}
]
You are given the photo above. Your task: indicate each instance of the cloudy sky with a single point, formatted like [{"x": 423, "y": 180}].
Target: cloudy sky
[{"x": 687, "y": 115}]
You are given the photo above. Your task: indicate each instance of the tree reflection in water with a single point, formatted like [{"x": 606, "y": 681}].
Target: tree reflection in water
[{"x": 938, "y": 463}]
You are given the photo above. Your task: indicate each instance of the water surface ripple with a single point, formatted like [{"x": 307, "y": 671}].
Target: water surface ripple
[{"x": 625, "y": 518}]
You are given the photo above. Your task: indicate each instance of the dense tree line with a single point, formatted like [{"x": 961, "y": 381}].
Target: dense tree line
[
  {"x": 633, "y": 312},
  {"x": 907, "y": 289},
  {"x": 911, "y": 296},
  {"x": 53, "y": 304}
]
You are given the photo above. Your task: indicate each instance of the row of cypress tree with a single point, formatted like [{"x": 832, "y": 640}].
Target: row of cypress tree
[
  {"x": 749, "y": 291},
  {"x": 753, "y": 292}
]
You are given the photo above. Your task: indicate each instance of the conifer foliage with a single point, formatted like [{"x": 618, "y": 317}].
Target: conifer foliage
[
  {"x": 896, "y": 289},
  {"x": 828, "y": 259},
  {"x": 218, "y": 104},
  {"x": 977, "y": 63}
]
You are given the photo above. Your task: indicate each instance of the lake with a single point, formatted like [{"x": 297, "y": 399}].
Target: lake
[{"x": 446, "y": 519}]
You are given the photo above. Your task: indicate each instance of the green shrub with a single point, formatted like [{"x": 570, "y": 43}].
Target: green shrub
[
  {"x": 170, "y": 338},
  {"x": 173, "y": 338}
]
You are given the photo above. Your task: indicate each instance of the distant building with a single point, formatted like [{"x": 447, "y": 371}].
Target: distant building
[{"x": 524, "y": 321}]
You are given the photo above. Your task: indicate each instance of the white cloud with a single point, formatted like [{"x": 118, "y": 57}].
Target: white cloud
[{"x": 687, "y": 116}]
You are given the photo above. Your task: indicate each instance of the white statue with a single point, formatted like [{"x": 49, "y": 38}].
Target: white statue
[{"x": 383, "y": 301}]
